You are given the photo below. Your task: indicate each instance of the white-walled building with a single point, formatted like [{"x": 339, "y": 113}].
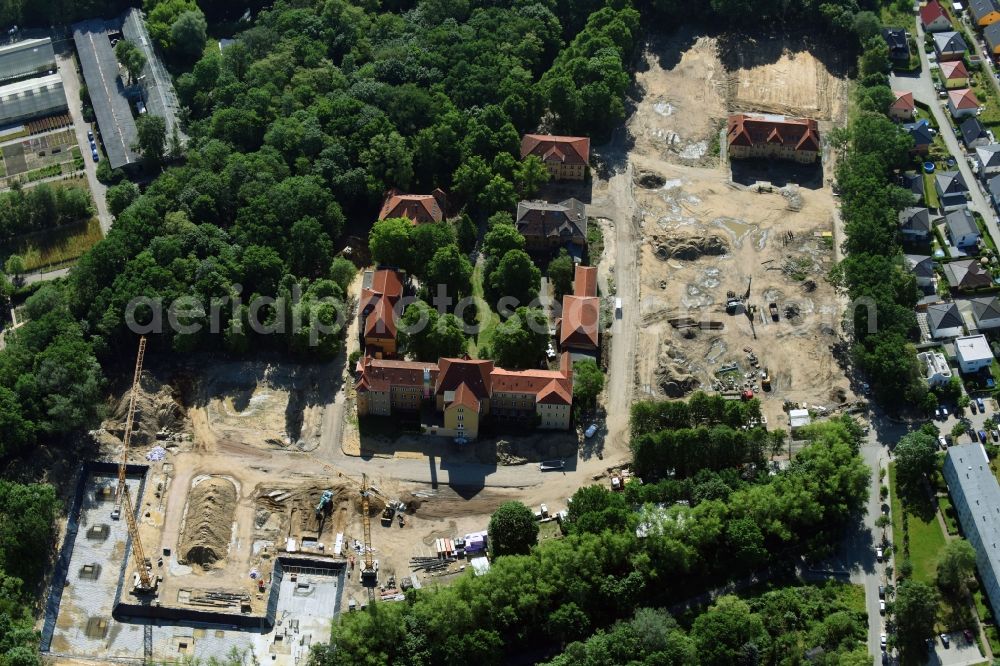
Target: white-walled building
[
  {"x": 973, "y": 353},
  {"x": 937, "y": 372}
]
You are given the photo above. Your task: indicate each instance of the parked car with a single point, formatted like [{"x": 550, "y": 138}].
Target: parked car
[
  {"x": 937, "y": 414},
  {"x": 90, "y": 135},
  {"x": 882, "y": 641},
  {"x": 972, "y": 406},
  {"x": 881, "y": 591},
  {"x": 590, "y": 431},
  {"x": 881, "y": 607},
  {"x": 93, "y": 154},
  {"x": 944, "y": 640},
  {"x": 982, "y": 436},
  {"x": 995, "y": 435},
  {"x": 942, "y": 442},
  {"x": 878, "y": 554},
  {"x": 981, "y": 404},
  {"x": 944, "y": 412}
]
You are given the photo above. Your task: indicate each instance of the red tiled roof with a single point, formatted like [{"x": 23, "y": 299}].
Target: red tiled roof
[
  {"x": 418, "y": 208},
  {"x": 963, "y": 99},
  {"x": 954, "y": 69},
  {"x": 579, "y": 322},
  {"x": 377, "y": 304},
  {"x": 381, "y": 375},
  {"x": 457, "y": 371},
  {"x": 464, "y": 398},
  {"x": 556, "y": 393},
  {"x": 552, "y": 385},
  {"x": 931, "y": 12},
  {"x": 904, "y": 101},
  {"x": 585, "y": 281},
  {"x": 749, "y": 129},
  {"x": 548, "y": 148}
]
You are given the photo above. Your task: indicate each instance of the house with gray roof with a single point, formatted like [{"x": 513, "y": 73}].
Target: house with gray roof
[
  {"x": 922, "y": 134},
  {"x": 988, "y": 158},
  {"x": 951, "y": 189},
  {"x": 962, "y": 228},
  {"x": 547, "y": 226},
  {"x": 922, "y": 268},
  {"x": 966, "y": 275},
  {"x": 984, "y": 12},
  {"x": 973, "y": 133},
  {"x": 993, "y": 189},
  {"x": 944, "y": 321},
  {"x": 986, "y": 312},
  {"x": 975, "y": 494},
  {"x": 950, "y": 45},
  {"x": 899, "y": 49},
  {"x": 915, "y": 224},
  {"x": 991, "y": 35},
  {"x": 914, "y": 182}
]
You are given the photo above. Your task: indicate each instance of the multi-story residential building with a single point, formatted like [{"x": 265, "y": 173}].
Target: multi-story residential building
[
  {"x": 463, "y": 391},
  {"x": 975, "y": 495},
  {"x": 566, "y": 157},
  {"x": 771, "y": 136},
  {"x": 380, "y": 293},
  {"x": 549, "y": 226},
  {"x": 417, "y": 208},
  {"x": 578, "y": 327}
]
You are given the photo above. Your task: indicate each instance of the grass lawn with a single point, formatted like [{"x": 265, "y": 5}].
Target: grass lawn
[
  {"x": 987, "y": 98},
  {"x": 930, "y": 194},
  {"x": 894, "y": 15},
  {"x": 550, "y": 530},
  {"x": 56, "y": 247},
  {"x": 486, "y": 319},
  {"x": 926, "y": 538}
]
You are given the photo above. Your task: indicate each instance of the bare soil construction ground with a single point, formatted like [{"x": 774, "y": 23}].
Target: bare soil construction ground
[
  {"x": 691, "y": 82},
  {"x": 701, "y": 235}
]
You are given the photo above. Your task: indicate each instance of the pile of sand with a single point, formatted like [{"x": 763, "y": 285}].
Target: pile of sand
[
  {"x": 156, "y": 409},
  {"x": 673, "y": 374},
  {"x": 689, "y": 248},
  {"x": 208, "y": 522}
]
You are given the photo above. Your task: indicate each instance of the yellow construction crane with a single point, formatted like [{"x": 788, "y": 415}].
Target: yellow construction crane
[
  {"x": 144, "y": 581},
  {"x": 133, "y": 392},
  {"x": 369, "y": 575}
]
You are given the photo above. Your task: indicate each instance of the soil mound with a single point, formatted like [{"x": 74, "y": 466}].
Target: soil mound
[
  {"x": 208, "y": 523},
  {"x": 156, "y": 409},
  {"x": 689, "y": 248},
  {"x": 649, "y": 180}
]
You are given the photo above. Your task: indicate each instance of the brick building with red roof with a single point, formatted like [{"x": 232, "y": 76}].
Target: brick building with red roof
[
  {"x": 752, "y": 135},
  {"x": 463, "y": 391},
  {"x": 566, "y": 157},
  {"x": 377, "y": 312},
  {"x": 578, "y": 327},
  {"x": 417, "y": 208}
]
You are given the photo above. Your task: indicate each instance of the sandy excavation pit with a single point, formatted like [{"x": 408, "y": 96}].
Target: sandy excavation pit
[
  {"x": 692, "y": 82},
  {"x": 729, "y": 234},
  {"x": 270, "y": 406},
  {"x": 208, "y": 522}
]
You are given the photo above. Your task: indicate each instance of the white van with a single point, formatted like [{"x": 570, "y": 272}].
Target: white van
[{"x": 618, "y": 308}]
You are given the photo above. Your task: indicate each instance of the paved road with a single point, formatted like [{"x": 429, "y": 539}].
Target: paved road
[
  {"x": 71, "y": 84},
  {"x": 923, "y": 91},
  {"x": 40, "y": 276}
]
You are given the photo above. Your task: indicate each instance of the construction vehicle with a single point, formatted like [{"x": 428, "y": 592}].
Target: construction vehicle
[
  {"x": 765, "y": 380},
  {"x": 127, "y": 436},
  {"x": 387, "y": 514},
  {"x": 324, "y": 502},
  {"x": 773, "y": 308},
  {"x": 143, "y": 581}
]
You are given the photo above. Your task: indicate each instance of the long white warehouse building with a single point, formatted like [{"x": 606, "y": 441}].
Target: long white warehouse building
[{"x": 33, "y": 98}]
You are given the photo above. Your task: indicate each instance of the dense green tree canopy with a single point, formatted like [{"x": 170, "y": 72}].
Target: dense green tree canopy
[{"x": 512, "y": 530}]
